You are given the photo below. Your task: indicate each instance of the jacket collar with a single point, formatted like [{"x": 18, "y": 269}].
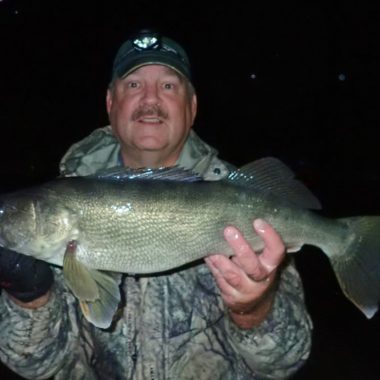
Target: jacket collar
[{"x": 101, "y": 150}]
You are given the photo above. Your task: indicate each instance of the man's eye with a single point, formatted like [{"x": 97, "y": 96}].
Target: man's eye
[
  {"x": 133, "y": 84},
  {"x": 168, "y": 86}
]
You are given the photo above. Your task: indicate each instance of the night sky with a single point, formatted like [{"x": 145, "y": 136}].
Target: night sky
[{"x": 296, "y": 81}]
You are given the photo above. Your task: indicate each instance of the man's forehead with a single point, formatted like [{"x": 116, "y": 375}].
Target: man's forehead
[{"x": 162, "y": 69}]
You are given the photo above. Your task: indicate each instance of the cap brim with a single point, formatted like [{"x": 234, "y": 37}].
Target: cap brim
[{"x": 151, "y": 59}]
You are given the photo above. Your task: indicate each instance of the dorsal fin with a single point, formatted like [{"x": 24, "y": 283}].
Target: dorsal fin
[
  {"x": 173, "y": 173},
  {"x": 271, "y": 175}
]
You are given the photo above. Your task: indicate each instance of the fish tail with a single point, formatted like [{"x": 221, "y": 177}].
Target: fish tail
[{"x": 358, "y": 266}]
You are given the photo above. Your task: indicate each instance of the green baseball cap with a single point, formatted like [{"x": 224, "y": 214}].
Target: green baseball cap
[{"x": 149, "y": 48}]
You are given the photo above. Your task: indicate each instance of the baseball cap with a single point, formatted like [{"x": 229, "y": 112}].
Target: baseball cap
[{"x": 147, "y": 48}]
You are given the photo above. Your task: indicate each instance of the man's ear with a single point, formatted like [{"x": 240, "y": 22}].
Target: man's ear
[
  {"x": 109, "y": 101},
  {"x": 194, "y": 107}
]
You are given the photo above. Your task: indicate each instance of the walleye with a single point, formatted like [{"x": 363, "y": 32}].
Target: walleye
[{"x": 149, "y": 221}]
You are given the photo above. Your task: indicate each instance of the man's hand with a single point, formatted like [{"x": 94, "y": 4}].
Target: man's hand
[
  {"x": 25, "y": 279},
  {"x": 247, "y": 280}
]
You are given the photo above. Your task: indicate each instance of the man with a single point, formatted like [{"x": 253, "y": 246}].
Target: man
[{"x": 239, "y": 318}]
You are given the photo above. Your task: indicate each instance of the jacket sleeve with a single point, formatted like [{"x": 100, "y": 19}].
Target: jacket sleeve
[
  {"x": 281, "y": 344},
  {"x": 37, "y": 343}
]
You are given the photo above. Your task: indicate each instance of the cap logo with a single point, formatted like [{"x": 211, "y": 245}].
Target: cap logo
[{"x": 146, "y": 42}]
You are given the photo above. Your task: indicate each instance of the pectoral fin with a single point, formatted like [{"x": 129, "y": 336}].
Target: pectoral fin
[
  {"x": 100, "y": 312},
  {"x": 98, "y": 292}
]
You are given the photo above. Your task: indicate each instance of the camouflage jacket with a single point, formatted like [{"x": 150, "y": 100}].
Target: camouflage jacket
[{"x": 172, "y": 326}]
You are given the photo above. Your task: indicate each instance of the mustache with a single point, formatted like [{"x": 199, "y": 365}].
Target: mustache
[{"x": 149, "y": 110}]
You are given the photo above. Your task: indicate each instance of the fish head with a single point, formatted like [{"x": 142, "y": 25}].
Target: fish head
[
  {"x": 33, "y": 224},
  {"x": 17, "y": 221}
]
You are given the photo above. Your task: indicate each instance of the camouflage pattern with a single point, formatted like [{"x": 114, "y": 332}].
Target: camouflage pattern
[{"x": 171, "y": 326}]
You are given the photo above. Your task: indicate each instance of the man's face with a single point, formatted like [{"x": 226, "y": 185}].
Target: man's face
[{"x": 151, "y": 112}]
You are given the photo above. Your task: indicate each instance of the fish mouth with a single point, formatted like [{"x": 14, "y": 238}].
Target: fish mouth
[{"x": 9, "y": 244}]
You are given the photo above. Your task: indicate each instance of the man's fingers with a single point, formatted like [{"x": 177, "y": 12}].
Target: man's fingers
[
  {"x": 274, "y": 250},
  {"x": 244, "y": 257},
  {"x": 227, "y": 279},
  {"x": 256, "y": 267}
]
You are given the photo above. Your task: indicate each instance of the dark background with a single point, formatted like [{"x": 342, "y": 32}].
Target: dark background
[{"x": 297, "y": 80}]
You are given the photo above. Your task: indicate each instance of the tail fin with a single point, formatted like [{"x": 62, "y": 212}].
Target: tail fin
[{"x": 358, "y": 269}]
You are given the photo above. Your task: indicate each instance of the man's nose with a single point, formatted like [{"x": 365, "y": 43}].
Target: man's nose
[{"x": 151, "y": 94}]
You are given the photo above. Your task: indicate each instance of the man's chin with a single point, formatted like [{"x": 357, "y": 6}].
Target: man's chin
[{"x": 150, "y": 144}]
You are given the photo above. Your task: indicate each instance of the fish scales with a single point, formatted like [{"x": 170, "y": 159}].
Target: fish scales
[{"x": 154, "y": 226}]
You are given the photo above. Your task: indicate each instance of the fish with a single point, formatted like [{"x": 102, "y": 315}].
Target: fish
[{"x": 148, "y": 221}]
